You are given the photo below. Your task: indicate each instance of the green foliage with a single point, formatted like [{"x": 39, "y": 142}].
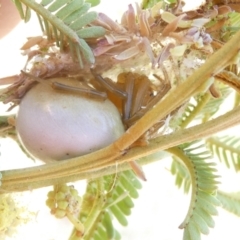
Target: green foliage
[
  {"x": 202, "y": 107},
  {"x": 232, "y": 27},
  {"x": 192, "y": 110},
  {"x": 24, "y": 14},
  {"x": 230, "y": 201},
  {"x": 204, "y": 185},
  {"x": 182, "y": 177},
  {"x": 213, "y": 104},
  {"x": 105, "y": 199},
  {"x": 65, "y": 22},
  {"x": 226, "y": 149},
  {"x": 150, "y": 3},
  {"x": 93, "y": 2}
]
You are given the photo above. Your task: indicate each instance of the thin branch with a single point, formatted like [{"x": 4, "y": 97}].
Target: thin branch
[{"x": 12, "y": 183}]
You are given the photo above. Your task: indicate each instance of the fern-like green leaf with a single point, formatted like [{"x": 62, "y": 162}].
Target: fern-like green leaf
[
  {"x": 192, "y": 110},
  {"x": 214, "y": 104},
  {"x": 146, "y": 4},
  {"x": 204, "y": 185},
  {"x": 227, "y": 150},
  {"x": 230, "y": 201},
  {"x": 202, "y": 107},
  {"x": 64, "y": 20},
  {"x": 182, "y": 175},
  {"x": 232, "y": 25},
  {"x": 93, "y": 2},
  {"x": 23, "y": 14},
  {"x": 113, "y": 201}
]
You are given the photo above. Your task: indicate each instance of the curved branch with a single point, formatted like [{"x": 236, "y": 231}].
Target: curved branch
[{"x": 36, "y": 177}]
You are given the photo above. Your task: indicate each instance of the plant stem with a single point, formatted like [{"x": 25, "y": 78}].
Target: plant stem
[
  {"x": 18, "y": 180},
  {"x": 95, "y": 211}
]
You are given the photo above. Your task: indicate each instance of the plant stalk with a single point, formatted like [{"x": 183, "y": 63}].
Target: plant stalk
[{"x": 12, "y": 180}]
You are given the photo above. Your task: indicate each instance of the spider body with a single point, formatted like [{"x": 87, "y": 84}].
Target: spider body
[
  {"x": 136, "y": 94},
  {"x": 57, "y": 125},
  {"x": 65, "y": 118}
]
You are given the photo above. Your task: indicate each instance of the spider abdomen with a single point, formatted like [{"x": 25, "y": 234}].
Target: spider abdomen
[{"x": 57, "y": 125}]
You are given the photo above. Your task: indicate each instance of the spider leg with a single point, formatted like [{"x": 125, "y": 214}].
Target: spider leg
[
  {"x": 143, "y": 86},
  {"x": 109, "y": 85},
  {"x": 137, "y": 170},
  {"x": 127, "y": 95},
  {"x": 85, "y": 90},
  {"x": 129, "y": 87},
  {"x": 130, "y": 81},
  {"x": 141, "y": 96}
]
